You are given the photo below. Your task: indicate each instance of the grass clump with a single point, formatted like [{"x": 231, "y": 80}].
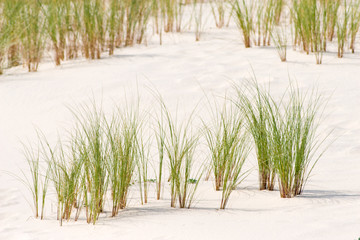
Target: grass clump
[
  {"x": 279, "y": 7},
  {"x": 198, "y": 16},
  {"x": 67, "y": 176},
  {"x": 244, "y": 17},
  {"x": 285, "y": 134},
  {"x": 228, "y": 145},
  {"x": 265, "y": 20},
  {"x": 68, "y": 27},
  {"x": 92, "y": 150},
  {"x": 172, "y": 12},
  {"x": 218, "y": 10},
  {"x": 234, "y": 174},
  {"x": 280, "y": 40},
  {"x": 311, "y": 25},
  {"x": 33, "y": 36},
  {"x": 332, "y": 17},
  {"x": 9, "y": 33},
  {"x": 93, "y": 28},
  {"x": 180, "y": 144},
  {"x": 122, "y": 137},
  {"x": 354, "y": 23},
  {"x": 342, "y": 29},
  {"x": 99, "y": 157},
  {"x": 294, "y": 139},
  {"x": 253, "y": 102},
  {"x": 56, "y": 28}
]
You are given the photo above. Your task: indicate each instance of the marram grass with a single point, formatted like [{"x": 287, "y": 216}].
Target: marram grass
[
  {"x": 252, "y": 100},
  {"x": 93, "y": 167},
  {"x": 67, "y": 29},
  {"x": 227, "y": 141},
  {"x": 99, "y": 157},
  {"x": 180, "y": 145},
  {"x": 294, "y": 138}
]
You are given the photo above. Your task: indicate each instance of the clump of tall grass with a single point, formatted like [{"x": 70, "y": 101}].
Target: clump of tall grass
[
  {"x": 98, "y": 156},
  {"x": 180, "y": 144},
  {"x": 244, "y": 17},
  {"x": 90, "y": 27},
  {"x": 33, "y": 35},
  {"x": 354, "y": 23},
  {"x": 319, "y": 32},
  {"x": 10, "y": 30},
  {"x": 279, "y": 37},
  {"x": 56, "y": 28},
  {"x": 228, "y": 144},
  {"x": 172, "y": 12},
  {"x": 252, "y": 100},
  {"x": 71, "y": 26},
  {"x": 342, "y": 28},
  {"x": 311, "y": 22},
  {"x": 265, "y": 20},
  {"x": 332, "y": 8},
  {"x": 91, "y": 146},
  {"x": 305, "y": 17},
  {"x": 67, "y": 170},
  {"x": 279, "y": 7},
  {"x": 115, "y": 25},
  {"x": 234, "y": 174},
  {"x": 198, "y": 15},
  {"x": 4, "y": 41},
  {"x": 218, "y": 10},
  {"x": 65, "y": 164},
  {"x": 137, "y": 19},
  {"x": 122, "y": 137},
  {"x": 294, "y": 139},
  {"x": 285, "y": 134},
  {"x": 73, "y": 19},
  {"x": 93, "y": 28}
]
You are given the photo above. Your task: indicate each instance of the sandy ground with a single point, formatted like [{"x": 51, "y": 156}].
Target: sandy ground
[{"x": 182, "y": 70}]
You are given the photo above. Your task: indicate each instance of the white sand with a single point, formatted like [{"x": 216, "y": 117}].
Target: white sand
[{"x": 181, "y": 70}]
